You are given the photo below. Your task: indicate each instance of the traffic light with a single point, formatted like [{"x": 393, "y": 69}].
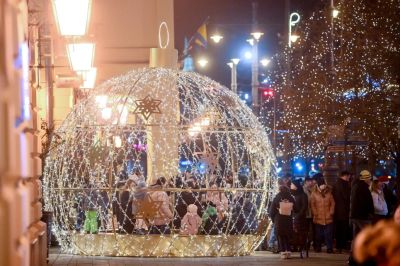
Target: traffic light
[{"x": 267, "y": 93}]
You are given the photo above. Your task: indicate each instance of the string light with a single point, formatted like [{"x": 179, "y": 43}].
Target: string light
[
  {"x": 99, "y": 150},
  {"x": 343, "y": 72}
]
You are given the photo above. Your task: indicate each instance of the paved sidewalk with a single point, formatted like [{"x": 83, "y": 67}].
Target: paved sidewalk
[{"x": 259, "y": 258}]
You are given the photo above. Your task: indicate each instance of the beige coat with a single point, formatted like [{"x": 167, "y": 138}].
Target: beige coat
[
  {"x": 322, "y": 206},
  {"x": 165, "y": 213}
]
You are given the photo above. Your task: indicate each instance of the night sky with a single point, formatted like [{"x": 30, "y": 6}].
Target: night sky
[{"x": 233, "y": 19}]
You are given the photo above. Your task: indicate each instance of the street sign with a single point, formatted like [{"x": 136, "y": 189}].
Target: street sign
[
  {"x": 341, "y": 148},
  {"x": 350, "y": 142}
]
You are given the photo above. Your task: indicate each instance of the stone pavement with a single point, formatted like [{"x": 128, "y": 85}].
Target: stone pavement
[{"x": 259, "y": 258}]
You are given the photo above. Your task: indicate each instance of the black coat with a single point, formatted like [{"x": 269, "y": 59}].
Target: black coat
[
  {"x": 341, "y": 195},
  {"x": 361, "y": 204},
  {"x": 301, "y": 204},
  {"x": 283, "y": 223}
]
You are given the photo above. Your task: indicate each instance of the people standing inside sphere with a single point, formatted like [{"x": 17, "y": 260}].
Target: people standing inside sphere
[
  {"x": 361, "y": 205},
  {"x": 281, "y": 213},
  {"x": 125, "y": 219},
  {"x": 341, "y": 195},
  {"x": 191, "y": 221},
  {"x": 160, "y": 223},
  {"x": 300, "y": 216},
  {"x": 323, "y": 208},
  {"x": 219, "y": 199},
  {"x": 378, "y": 198}
]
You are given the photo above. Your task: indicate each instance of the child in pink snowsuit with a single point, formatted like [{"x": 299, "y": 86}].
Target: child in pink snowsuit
[{"x": 191, "y": 221}]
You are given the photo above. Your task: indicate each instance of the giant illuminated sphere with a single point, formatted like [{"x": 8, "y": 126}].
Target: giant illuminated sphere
[{"x": 191, "y": 130}]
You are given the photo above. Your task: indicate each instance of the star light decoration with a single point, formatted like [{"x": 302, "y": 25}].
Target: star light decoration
[
  {"x": 147, "y": 106},
  {"x": 341, "y": 72},
  {"x": 88, "y": 168}
]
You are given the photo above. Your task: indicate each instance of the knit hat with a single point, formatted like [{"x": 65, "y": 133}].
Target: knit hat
[{"x": 365, "y": 175}]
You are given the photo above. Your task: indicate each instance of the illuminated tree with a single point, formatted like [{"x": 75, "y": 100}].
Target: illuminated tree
[{"x": 350, "y": 70}]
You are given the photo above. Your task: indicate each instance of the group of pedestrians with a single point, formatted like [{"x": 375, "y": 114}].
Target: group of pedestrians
[{"x": 316, "y": 213}]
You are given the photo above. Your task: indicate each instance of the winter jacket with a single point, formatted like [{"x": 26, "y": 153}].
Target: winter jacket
[
  {"x": 380, "y": 205},
  {"x": 165, "y": 214},
  {"x": 322, "y": 206},
  {"x": 361, "y": 204},
  {"x": 191, "y": 221},
  {"x": 283, "y": 223},
  {"x": 220, "y": 200},
  {"x": 301, "y": 204},
  {"x": 341, "y": 195},
  {"x": 308, "y": 193}
]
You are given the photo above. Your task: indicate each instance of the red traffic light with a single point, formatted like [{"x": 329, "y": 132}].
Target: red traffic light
[{"x": 267, "y": 92}]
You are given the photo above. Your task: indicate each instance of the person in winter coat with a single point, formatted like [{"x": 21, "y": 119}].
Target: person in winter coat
[
  {"x": 323, "y": 208},
  {"x": 184, "y": 199},
  {"x": 341, "y": 195},
  {"x": 125, "y": 218},
  {"x": 210, "y": 225},
  {"x": 281, "y": 213},
  {"x": 361, "y": 205},
  {"x": 378, "y": 198},
  {"x": 191, "y": 221},
  {"x": 219, "y": 199},
  {"x": 300, "y": 216},
  {"x": 160, "y": 224}
]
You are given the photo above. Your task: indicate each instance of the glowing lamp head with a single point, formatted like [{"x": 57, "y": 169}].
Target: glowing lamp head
[
  {"x": 335, "y": 13},
  {"x": 251, "y": 41},
  {"x": 217, "y": 38},
  {"x": 265, "y": 62},
  {"x": 72, "y": 16},
  {"x": 248, "y": 55},
  {"x": 257, "y": 35},
  {"x": 294, "y": 38},
  {"x": 235, "y": 61},
  {"x": 202, "y": 62},
  {"x": 81, "y": 56}
]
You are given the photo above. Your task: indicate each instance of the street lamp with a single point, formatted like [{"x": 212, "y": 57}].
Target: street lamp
[
  {"x": 217, "y": 37},
  {"x": 72, "y": 16},
  {"x": 257, "y": 35},
  {"x": 335, "y": 13},
  {"x": 293, "y": 20},
  {"x": 233, "y": 65},
  {"x": 88, "y": 77},
  {"x": 254, "y": 68},
  {"x": 265, "y": 62},
  {"x": 202, "y": 62},
  {"x": 81, "y": 56}
]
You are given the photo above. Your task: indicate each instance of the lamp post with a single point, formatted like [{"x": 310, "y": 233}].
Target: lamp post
[
  {"x": 233, "y": 65},
  {"x": 254, "y": 69},
  {"x": 294, "y": 18}
]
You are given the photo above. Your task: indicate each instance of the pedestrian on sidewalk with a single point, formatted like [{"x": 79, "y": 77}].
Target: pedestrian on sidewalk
[
  {"x": 308, "y": 187},
  {"x": 378, "y": 198},
  {"x": 361, "y": 205},
  {"x": 341, "y": 195},
  {"x": 281, "y": 213},
  {"x": 323, "y": 208},
  {"x": 300, "y": 217}
]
